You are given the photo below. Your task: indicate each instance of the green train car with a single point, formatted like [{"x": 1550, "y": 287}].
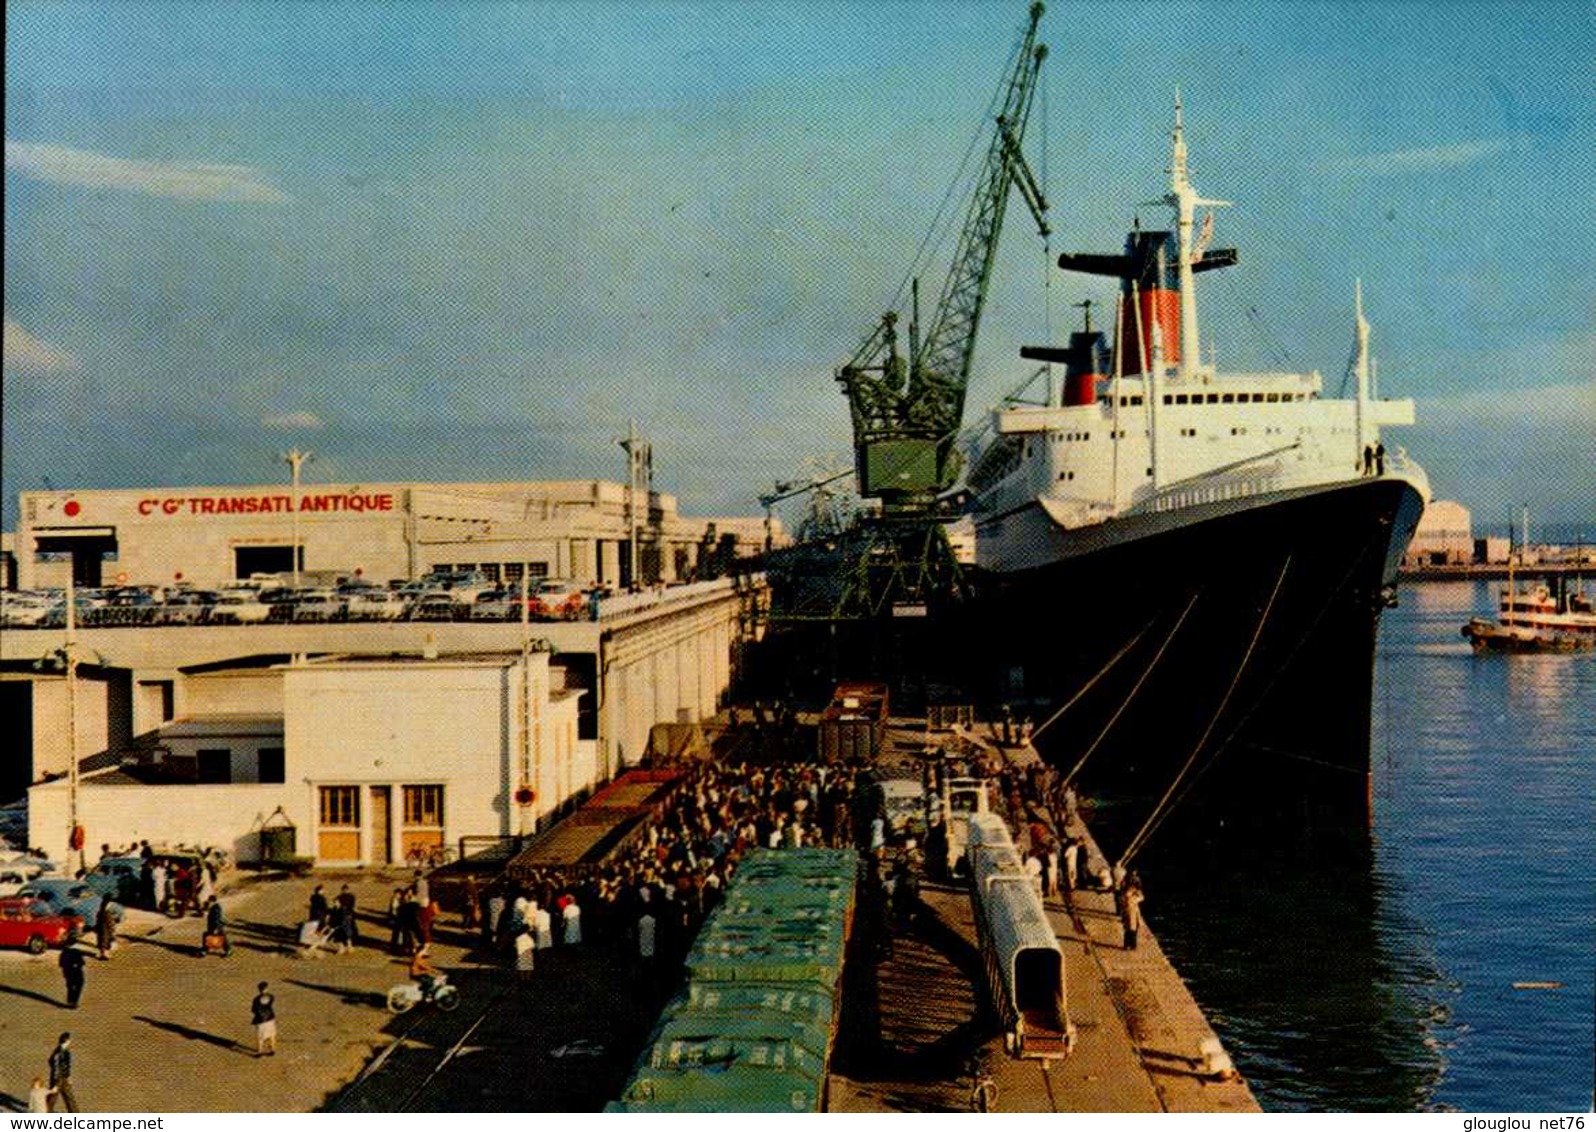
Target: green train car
[{"x": 752, "y": 1031}]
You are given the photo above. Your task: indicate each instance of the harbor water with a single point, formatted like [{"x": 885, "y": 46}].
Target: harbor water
[{"x": 1454, "y": 970}]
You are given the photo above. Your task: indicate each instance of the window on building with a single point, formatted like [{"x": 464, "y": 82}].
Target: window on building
[
  {"x": 1213, "y": 398},
  {"x": 1273, "y": 398},
  {"x": 1180, "y": 398},
  {"x": 215, "y": 765},
  {"x": 491, "y": 571},
  {"x": 423, "y": 805},
  {"x": 1227, "y": 399},
  {"x": 340, "y": 806},
  {"x": 1257, "y": 398},
  {"x": 271, "y": 767},
  {"x": 1136, "y": 400}
]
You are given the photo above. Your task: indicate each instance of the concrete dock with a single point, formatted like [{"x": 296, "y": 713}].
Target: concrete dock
[{"x": 912, "y": 1026}]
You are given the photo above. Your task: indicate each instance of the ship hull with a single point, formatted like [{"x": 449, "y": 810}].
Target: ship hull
[{"x": 1241, "y": 698}]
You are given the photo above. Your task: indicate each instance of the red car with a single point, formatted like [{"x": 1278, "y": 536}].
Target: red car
[
  {"x": 29, "y": 924},
  {"x": 557, "y": 601}
]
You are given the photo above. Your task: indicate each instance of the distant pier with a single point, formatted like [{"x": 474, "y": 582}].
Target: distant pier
[{"x": 1493, "y": 571}]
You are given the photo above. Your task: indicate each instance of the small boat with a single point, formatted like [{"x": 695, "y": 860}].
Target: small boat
[{"x": 1556, "y": 617}]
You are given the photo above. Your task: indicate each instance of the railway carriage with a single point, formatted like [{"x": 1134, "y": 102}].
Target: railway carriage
[{"x": 1024, "y": 963}]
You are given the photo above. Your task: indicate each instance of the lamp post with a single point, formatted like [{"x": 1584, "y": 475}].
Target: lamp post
[
  {"x": 75, "y": 837},
  {"x": 296, "y": 459}
]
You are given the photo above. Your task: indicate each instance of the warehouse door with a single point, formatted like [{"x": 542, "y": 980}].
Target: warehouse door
[
  {"x": 381, "y": 827},
  {"x": 249, "y": 560}
]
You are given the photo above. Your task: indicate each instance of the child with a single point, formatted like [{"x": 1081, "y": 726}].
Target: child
[{"x": 39, "y": 1096}]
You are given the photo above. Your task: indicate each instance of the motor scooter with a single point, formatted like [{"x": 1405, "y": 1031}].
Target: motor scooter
[{"x": 441, "y": 993}]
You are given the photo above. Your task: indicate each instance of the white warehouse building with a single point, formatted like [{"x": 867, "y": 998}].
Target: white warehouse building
[
  {"x": 370, "y": 758},
  {"x": 575, "y": 529}
]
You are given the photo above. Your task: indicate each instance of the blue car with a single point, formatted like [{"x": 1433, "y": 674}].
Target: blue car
[
  {"x": 60, "y": 895},
  {"x": 118, "y": 878}
]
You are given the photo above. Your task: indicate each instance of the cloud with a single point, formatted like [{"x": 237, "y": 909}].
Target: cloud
[
  {"x": 26, "y": 354},
  {"x": 1418, "y": 160},
  {"x": 288, "y": 422},
  {"x": 181, "y": 179}
]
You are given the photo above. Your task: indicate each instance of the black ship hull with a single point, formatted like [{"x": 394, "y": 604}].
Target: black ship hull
[{"x": 1241, "y": 696}]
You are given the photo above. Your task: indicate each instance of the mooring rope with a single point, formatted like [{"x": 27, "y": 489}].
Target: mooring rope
[
  {"x": 1090, "y": 684},
  {"x": 1274, "y": 679},
  {"x": 1160, "y": 811},
  {"x": 1140, "y": 680}
]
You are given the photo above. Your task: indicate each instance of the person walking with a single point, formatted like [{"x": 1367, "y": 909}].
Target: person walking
[
  {"x": 39, "y": 1095},
  {"x": 215, "y": 930},
  {"x": 61, "y": 1073},
  {"x": 72, "y": 970},
  {"x": 1130, "y": 911},
  {"x": 346, "y": 901},
  {"x": 318, "y": 906},
  {"x": 263, "y": 1013},
  {"x": 525, "y": 953},
  {"x": 571, "y": 918},
  {"x": 105, "y": 926}
]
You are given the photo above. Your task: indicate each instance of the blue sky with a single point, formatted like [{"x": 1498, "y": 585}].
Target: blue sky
[{"x": 469, "y": 241}]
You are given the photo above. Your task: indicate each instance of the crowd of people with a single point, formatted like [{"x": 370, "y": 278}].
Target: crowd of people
[{"x": 650, "y": 899}]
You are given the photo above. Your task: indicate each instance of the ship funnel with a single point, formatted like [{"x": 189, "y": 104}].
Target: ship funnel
[{"x": 1149, "y": 293}]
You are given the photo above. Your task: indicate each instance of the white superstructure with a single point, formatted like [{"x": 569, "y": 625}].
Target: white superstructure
[{"x": 1177, "y": 440}]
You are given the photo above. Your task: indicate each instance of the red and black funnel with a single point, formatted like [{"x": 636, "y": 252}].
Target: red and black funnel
[
  {"x": 1085, "y": 362},
  {"x": 1151, "y": 264}
]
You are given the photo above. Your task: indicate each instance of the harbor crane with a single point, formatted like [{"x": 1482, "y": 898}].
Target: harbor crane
[{"x": 907, "y": 412}]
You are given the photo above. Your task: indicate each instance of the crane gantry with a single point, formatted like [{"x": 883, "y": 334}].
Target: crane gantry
[{"x": 907, "y": 412}]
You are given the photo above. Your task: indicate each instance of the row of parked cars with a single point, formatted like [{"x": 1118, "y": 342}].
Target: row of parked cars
[
  {"x": 437, "y": 597},
  {"x": 39, "y": 908}
]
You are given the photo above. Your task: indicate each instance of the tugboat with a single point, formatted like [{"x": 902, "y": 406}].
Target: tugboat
[
  {"x": 1193, "y": 561},
  {"x": 1555, "y": 617}
]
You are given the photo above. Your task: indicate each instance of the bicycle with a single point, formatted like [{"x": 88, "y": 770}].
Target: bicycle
[{"x": 429, "y": 856}]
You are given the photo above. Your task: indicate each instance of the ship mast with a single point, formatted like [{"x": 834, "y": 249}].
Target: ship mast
[
  {"x": 1361, "y": 372},
  {"x": 1184, "y": 200}
]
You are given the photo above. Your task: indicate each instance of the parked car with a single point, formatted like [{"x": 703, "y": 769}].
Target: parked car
[
  {"x": 369, "y": 603},
  {"x": 465, "y": 585},
  {"x": 240, "y": 607},
  {"x": 433, "y": 607},
  {"x": 13, "y": 877},
  {"x": 63, "y": 895},
  {"x": 31, "y": 925},
  {"x": 185, "y": 607},
  {"x": 320, "y": 605},
  {"x": 127, "y": 605},
  {"x": 24, "y": 609},
  {"x": 55, "y": 618},
  {"x": 117, "y": 878},
  {"x": 905, "y": 803},
  {"x": 557, "y": 600},
  {"x": 495, "y": 605}
]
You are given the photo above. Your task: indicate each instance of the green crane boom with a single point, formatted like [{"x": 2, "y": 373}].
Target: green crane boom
[{"x": 905, "y": 415}]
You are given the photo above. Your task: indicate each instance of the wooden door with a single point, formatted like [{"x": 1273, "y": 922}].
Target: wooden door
[{"x": 381, "y": 827}]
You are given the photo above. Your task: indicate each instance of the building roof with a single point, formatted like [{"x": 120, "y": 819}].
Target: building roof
[{"x": 217, "y": 726}]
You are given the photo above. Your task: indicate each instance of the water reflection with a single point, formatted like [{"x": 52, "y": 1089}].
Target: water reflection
[
  {"x": 1294, "y": 960},
  {"x": 1389, "y": 984}
]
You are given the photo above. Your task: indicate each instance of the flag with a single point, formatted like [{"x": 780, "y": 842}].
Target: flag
[{"x": 1205, "y": 237}]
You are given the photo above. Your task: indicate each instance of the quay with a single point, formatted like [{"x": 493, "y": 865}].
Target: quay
[
  {"x": 1141, "y": 1035},
  {"x": 564, "y": 1038},
  {"x": 1494, "y": 571}
]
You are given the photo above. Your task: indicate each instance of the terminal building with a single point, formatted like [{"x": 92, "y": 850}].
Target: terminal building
[
  {"x": 581, "y": 530},
  {"x": 373, "y": 739}
]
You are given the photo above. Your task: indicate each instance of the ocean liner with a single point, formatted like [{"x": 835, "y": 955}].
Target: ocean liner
[{"x": 1191, "y": 564}]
